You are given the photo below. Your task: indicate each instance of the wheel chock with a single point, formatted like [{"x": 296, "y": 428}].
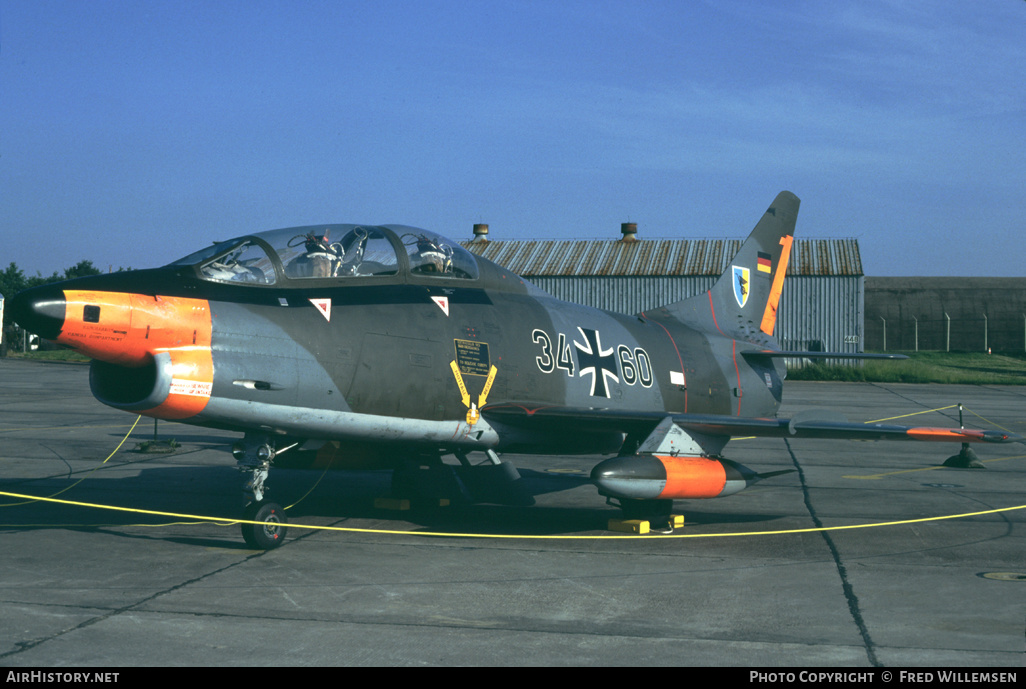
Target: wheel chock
[
  {"x": 638, "y": 526},
  {"x": 676, "y": 521},
  {"x": 399, "y": 504}
]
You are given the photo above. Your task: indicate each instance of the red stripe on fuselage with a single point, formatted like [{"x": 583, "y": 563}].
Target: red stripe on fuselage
[
  {"x": 680, "y": 360},
  {"x": 737, "y": 372}
]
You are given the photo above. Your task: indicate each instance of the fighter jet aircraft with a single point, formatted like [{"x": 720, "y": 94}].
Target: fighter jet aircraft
[{"x": 396, "y": 344}]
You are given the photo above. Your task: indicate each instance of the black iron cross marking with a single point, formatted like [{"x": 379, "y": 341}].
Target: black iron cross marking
[{"x": 601, "y": 364}]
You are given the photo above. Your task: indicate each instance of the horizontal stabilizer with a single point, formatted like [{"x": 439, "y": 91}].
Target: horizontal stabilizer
[{"x": 798, "y": 354}]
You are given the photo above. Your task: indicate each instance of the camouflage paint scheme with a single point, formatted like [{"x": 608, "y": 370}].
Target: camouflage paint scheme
[{"x": 398, "y": 339}]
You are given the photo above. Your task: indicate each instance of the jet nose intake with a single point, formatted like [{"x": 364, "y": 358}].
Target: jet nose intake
[{"x": 40, "y": 310}]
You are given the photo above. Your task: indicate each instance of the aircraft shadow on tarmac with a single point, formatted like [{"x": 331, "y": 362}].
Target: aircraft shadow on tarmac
[{"x": 211, "y": 491}]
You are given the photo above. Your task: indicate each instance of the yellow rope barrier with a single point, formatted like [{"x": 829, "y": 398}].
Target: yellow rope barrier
[
  {"x": 915, "y": 413},
  {"x": 224, "y": 522},
  {"x": 199, "y": 519},
  {"x": 96, "y": 468}
]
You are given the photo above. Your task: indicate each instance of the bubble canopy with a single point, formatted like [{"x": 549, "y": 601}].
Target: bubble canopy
[{"x": 332, "y": 252}]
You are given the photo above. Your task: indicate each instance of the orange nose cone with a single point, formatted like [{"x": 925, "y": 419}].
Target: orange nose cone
[{"x": 128, "y": 329}]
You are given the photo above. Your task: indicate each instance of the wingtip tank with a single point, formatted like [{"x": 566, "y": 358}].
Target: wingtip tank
[{"x": 664, "y": 477}]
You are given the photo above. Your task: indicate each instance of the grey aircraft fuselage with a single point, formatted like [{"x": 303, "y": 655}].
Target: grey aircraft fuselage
[
  {"x": 387, "y": 351},
  {"x": 397, "y": 338},
  {"x": 304, "y": 357}
]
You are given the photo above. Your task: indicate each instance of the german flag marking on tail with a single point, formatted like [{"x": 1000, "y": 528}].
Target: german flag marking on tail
[{"x": 765, "y": 262}]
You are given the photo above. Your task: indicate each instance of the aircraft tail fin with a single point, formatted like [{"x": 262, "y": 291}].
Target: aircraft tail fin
[{"x": 747, "y": 294}]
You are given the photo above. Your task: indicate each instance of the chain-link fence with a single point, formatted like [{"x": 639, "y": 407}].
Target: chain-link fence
[{"x": 947, "y": 334}]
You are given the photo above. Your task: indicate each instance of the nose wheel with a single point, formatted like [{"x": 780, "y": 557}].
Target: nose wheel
[
  {"x": 254, "y": 455},
  {"x": 269, "y": 532}
]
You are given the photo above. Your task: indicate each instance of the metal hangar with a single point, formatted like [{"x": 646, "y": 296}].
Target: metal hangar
[{"x": 822, "y": 305}]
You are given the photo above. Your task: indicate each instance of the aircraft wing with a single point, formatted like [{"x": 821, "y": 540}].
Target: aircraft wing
[{"x": 811, "y": 424}]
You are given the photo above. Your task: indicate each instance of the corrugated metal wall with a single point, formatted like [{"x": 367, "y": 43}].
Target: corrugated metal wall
[
  {"x": 822, "y": 314},
  {"x": 822, "y": 306},
  {"x": 658, "y": 257},
  {"x": 818, "y": 313},
  {"x": 621, "y": 293}
]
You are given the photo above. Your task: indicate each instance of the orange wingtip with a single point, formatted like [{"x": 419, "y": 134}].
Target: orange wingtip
[{"x": 946, "y": 434}]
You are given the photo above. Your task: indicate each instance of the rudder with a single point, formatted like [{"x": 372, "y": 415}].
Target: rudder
[{"x": 749, "y": 289}]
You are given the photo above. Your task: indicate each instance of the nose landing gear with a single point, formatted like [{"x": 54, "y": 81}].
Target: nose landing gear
[{"x": 254, "y": 455}]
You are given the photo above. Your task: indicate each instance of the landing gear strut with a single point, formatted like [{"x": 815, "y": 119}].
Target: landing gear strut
[{"x": 254, "y": 455}]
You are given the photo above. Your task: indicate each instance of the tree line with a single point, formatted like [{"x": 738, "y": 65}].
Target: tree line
[{"x": 14, "y": 280}]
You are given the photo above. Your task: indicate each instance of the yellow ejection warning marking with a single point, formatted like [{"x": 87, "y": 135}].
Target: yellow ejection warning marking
[
  {"x": 459, "y": 382},
  {"x": 472, "y": 409},
  {"x": 483, "y": 397}
]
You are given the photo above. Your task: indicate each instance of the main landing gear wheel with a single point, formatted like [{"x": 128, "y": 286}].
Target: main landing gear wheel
[{"x": 270, "y": 533}]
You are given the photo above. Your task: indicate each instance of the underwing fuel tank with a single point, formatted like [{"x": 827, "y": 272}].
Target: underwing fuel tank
[{"x": 663, "y": 477}]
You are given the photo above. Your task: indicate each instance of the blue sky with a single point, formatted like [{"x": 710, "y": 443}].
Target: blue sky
[{"x": 135, "y": 132}]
